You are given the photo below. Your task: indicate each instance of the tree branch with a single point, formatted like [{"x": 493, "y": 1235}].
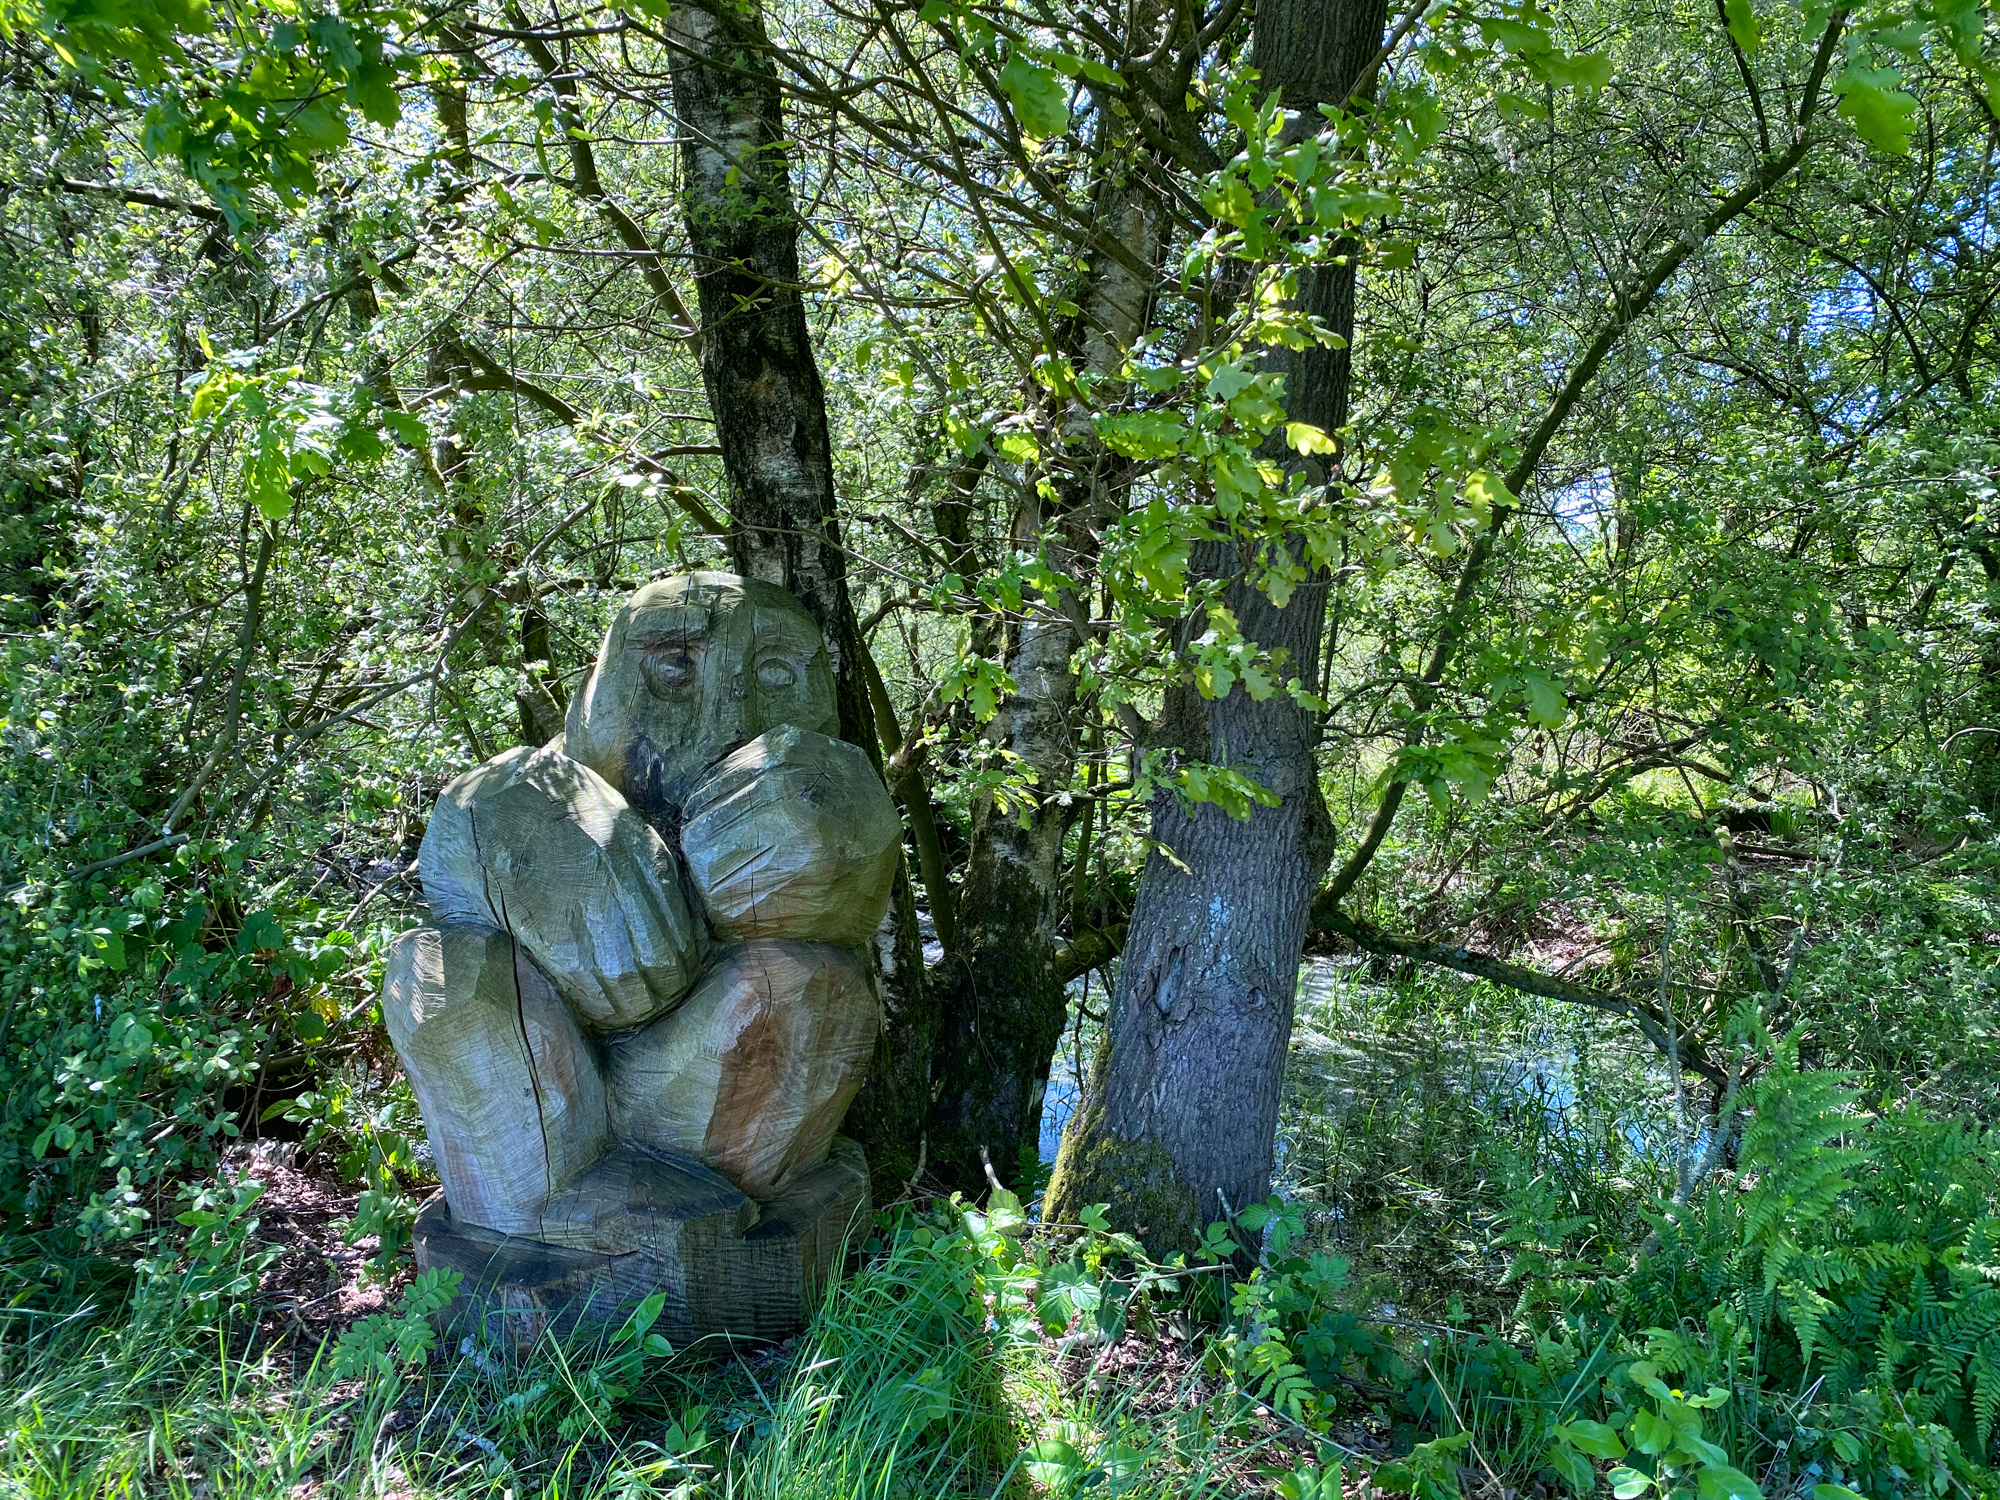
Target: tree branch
[
  {"x": 1630, "y": 302},
  {"x": 589, "y": 185},
  {"x": 488, "y": 374},
  {"x": 906, "y": 777},
  {"x": 1657, "y": 1028},
  {"x": 144, "y": 197},
  {"x": 246, "y": 650}
]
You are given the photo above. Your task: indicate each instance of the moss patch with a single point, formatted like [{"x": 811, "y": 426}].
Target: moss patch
[{"x": 1136, "y": 1178}]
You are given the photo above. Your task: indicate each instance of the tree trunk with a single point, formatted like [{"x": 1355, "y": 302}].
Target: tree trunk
[
  {"x": 1982, "y": 742},
  {"x": 1181, "y": 1107},
  {"x": 1180, "y": 1111},
  {"x": 757, "y": 360},
  {"x": 1003, "y": 1004},
  {"x": 769, "y": 404}
]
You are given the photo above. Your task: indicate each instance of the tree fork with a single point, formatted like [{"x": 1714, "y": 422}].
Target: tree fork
[{"x": 1003, "y": 997}]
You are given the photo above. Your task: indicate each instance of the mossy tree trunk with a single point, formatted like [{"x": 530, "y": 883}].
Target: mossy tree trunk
[
  {"x": 1179, "y": 1114},
  {"x": 1003, "y": 1003}
]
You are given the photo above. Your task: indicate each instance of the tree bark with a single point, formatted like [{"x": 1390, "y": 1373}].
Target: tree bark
[
  {"x": 769, "y": 403},
  {"x": 1181, "y": 1109},
  {"x": 1180, "y": 1112},
  {"x": 1002, "y": 998}
]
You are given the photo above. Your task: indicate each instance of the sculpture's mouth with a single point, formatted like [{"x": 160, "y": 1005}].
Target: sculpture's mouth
[
  {"x": 657, "y": 781},
  {"x": 655, "y": 785}
]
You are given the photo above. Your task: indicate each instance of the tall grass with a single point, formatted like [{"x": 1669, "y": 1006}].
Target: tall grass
[
  {"x": 1420, "y": 1114},
  {"x": 925, "y": 1375},
  {"x": 124, "y": 1406},
  {"x": 899, "y": 1390},
  {"x": 1459, "y": 1144}
]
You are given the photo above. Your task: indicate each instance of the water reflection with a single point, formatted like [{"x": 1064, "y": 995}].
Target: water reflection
[{"x": 1413, "y": 1108}]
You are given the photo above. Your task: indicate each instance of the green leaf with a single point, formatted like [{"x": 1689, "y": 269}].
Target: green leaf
[
  {"x": 1586, "y": 71},
  {"x": 1004, "y": 1213},
  {"x": 982, "y": 683},
  {"x": 1306, "y": 438},
  {"x": 409, "y": 430},
  {"x": 1691, "y": 1443},
  {"x": 1720, "y": 1482},
  {"x": 1053, "y": 1463},
  {"x": 1142, "y": 435},
  {"x": 1744, "y": 26},
  {"x": 1040, "y": 102},
  {"x": 320, "y": 127},
  {"x": 1120, "y": 1464},
  {"x": 1646, "y": 1375},
  {"x": 1547, "y": 708},
  {"x": 1571, "y": 1467},
  {"x": 1396, "y": 1478},
  {"x": 1628, "y": 1484},
  {"x": 1230, "y": 381},
  {"x": 108, "y": 949},
  {"x": 1067, "y": 1290},
  {"x": 1651, "y": 1433},
  {"x": 1484, "y": 490},
  {"x": 260, "y": 932},
  {"x": 1881, "y": 113},
  {"x": 372, "y": 90},
  {"x": 1593, "y": 1438}
]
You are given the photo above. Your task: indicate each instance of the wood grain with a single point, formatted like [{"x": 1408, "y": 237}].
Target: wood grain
[
  {"x": 543, "y": 847},
  {"x": 726, "y": 1267},
  {"x": 792, "y": 836},
  {"x": 753, "y": 1073},
  {"x": 691, "y": 667},
  {"x": 613, "y": 1104},
  {"x": 508, "y": 1084}
]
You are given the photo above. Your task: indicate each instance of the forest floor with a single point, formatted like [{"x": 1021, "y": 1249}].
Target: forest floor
[
  {"x": 317, "y": 1286},
  {"x": 1401, "y": 1106}
]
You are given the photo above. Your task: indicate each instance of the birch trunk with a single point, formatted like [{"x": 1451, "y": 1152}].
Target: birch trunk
[
  {"x": 1002, "y": 1001},
  {"x": 769, "y": 404}
]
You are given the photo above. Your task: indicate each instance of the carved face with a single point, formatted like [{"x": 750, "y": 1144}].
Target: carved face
[{"x": 691, "y": 668}]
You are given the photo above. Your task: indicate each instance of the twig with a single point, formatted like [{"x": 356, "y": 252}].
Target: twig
[
  {"x": 402, "y": 874},
  {"x": 986, "y": 1165},
  {"x": 246, "y": 650},
  {"x": 98, "y": 867}
]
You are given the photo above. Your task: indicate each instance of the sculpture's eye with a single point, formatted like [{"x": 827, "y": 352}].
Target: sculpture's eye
[
  {"x": 775, "y": 674},
  {"x": 669, "y": 669}
]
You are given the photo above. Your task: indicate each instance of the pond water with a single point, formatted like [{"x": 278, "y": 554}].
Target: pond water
[{"x": 1404, "y": 1099}]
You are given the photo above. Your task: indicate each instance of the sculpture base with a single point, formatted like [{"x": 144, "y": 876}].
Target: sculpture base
[{"x": 636, "y": 1224}]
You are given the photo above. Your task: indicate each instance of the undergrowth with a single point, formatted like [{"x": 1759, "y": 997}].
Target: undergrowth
[
  {"x": 1821, "y": 1319},
  {"x": 1818, "y": 1315}
]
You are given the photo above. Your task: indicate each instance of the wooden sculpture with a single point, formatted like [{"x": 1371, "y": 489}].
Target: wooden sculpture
[{"x": 645, "y": 1002}]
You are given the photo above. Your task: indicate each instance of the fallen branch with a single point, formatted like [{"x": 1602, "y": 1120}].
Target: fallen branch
[{"x": 1657, "y": 1028}]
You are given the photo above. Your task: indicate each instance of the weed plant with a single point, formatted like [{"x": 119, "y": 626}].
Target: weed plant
[
  {"x": 1820, "y": 1317},
  {"x": 1431, "y": 1123}
]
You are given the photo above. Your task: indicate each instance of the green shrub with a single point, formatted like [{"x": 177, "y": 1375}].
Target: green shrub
[{"x": 137, "y": 1017}]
